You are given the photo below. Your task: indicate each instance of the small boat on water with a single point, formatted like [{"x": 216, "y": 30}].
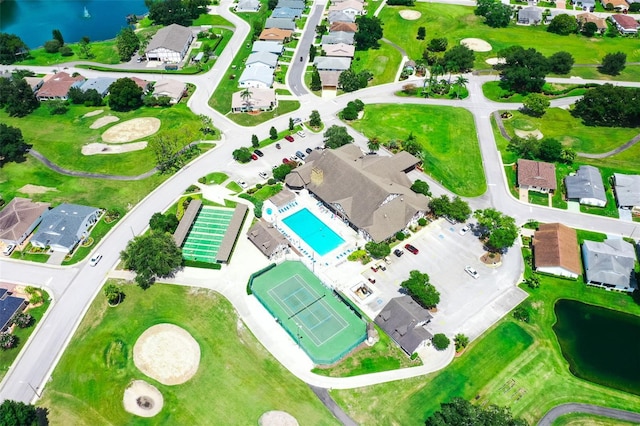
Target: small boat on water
[{"x": 86, "y": 13}]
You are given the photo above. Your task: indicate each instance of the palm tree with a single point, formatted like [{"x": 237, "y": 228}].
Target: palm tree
[
  {"x": 373, "y": 144},
  {"x": 246, "y": 96},
  {"x": 461, "y": 82}
]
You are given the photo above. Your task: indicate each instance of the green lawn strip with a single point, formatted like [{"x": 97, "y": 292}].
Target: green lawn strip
[
  {"x": 233, "y": 186},
  {"x": 494, "y": 92},
  {"x": 97, "y": 233},
  {"x": 538, "y": 198},
  {"x": 510, "y": 171},
  {"x": 237, "y": 379},
  {"x": 383, "y": 356},
  {"x": 207, "y": 19},
  {"x": 411, "y": 401},
  {"x": 281, "y": 134},
  {"x": 283, "y": 92},
  {"x": 630, "y": 73},
  {"x": 8, "y": 356},
  {"x": 444, "y": 133},
  {"x": 383, "y": 63},
  {"x": 582, "y": 419},
  {"x": 215, "y": 178},
  {"x": 458, "y": 22},
  {"x": 250, "y": 120},
  {"x": 104, "y": 52},
  {"x": 584, "y": 235}
]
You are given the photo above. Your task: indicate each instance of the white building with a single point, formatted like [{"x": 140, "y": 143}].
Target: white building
[{"x": 169, "y": 44}]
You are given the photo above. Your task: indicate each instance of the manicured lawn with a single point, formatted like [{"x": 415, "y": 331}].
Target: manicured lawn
[
  {"x": 104, "y": 52},
  {"x": 250, "y": 120},
  {"x": 446, "y": 135},
  {"x": 382, "y": 62},
  {"x": 237, "y": 380},
  {"x": 206, "y": 19},
  {"x": 214, "y": 178},
  {"x": 458, "y": 22},
  {"x": 493, "y": 91}
]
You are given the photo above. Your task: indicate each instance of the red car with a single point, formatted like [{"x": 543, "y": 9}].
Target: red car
[
  {"x": 254, "y": 157},
  {"x": 285, "y": 161},
  {"x": 411, "y": 248},
  {"x": 289, "y": 138}
]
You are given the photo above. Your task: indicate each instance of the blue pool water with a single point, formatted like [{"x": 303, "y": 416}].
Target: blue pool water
[
  {"x": 269, "y": 211},
  {"x": 313, "y": 231}
]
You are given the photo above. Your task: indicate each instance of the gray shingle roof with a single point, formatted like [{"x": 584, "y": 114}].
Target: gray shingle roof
[
  {"x": 266, "y": 58},
  {"x": 267, "y": 46},
  {"x": 530, "y": 14},
  {"x": 609, "y": 262},
  {"x": 282, "y": 23},
  {"x": 100, "y": 84},
  {"x": 257, "y": 72},
  {"x": 627, "y": 189},
  {"x": 402, "y": 319},
  {"x": 172, "y": 37},
  {"x": 286, "y": 12},
  {"x": 331, "y": 63},
  {"x": 339, "y": 16},
  {"x": 338, "y": 37},
  {"x": 293, "y": 4},
  {"x": 586, "y": 183},
  {"x": 62, "y": 224},
  {"x": 266, "y": 238}
]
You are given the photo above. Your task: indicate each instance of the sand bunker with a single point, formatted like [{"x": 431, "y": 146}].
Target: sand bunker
[
  {"x": 35, "y": 189},
  {"x": 93, "y": 113},
  {"x": 131, "y": 130},
  {"x": 167, "y": 353},
  {"x": 476, "y": 44},
  {"x": 277, "y": 418},
  {"x": 103, "y": 121},
  {"x": 525, "y": 133},
  {"x": 103, "y": 148},
  {"x": 142, "y": 399},
  {"x": 496, "y": 61},
  {"x": 410, "y": 15}
]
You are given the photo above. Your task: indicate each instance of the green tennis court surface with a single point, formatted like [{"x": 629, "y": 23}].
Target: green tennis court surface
[
  {"x": 321, "y": 324},
  {"x": 206, "y": 234}
]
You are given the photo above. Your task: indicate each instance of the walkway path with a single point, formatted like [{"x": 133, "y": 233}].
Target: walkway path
[{"x": 612, "y": 413}]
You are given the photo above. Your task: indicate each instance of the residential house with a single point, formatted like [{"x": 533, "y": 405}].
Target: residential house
[
  {"x": 537, "y": 176},
  {"x": 627, "y": 191},
  {"x": 404, "y": 320},
  {"x": 264, "y": 58},
  {"x": 370, "y": 193},
  {"x": 9, "y": 306},
  {"x": 339, "y": 16},
  {"x": 530, "y": 16},
  {"x": 169, "y": 44},
  {"x": 143, "y": 84},
  {"x": 586, "y": 187},
  {"x": 174, "y": 89},
  {"x": 19, "y": 218},
  {"x": 275, "y": 34},
  {"x": 556, "y": 251},
  {"x": 267, "y": 46},
  {"x": 34, "y": 82},
  {"x": 267, "y": 239},
  {"x": 617, "y": 5},
  {"x": 63, "y": 227},
  {"x": 282, "y": 23},
  {"x": 286, "y": 13},
  {"x": 329, "y": 79},
  {"x": 247, "y": 6},
  {"x": 625, "y": 24},
  {"x": 587, "y": 5},
  {"x": 349, "y": 7},
  {"x": 292, "y": 4},
  {"x": 57, "y": 86},
  {"x": 338, "y": 37},
  {"x": 256, "y": 76},
  {"x": 347, "y": 27},
  {"x": 260, "y": 100},
  {"x": 339, "y": 50},
  {"x": 100, "y": 85},
  {"x": 584, "y": 18},
  {"x": 330, "y": 63},
  {"x": 610, "y": 264}
]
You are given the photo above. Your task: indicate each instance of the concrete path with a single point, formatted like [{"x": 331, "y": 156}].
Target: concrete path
[{"x": 612, "y": 413}]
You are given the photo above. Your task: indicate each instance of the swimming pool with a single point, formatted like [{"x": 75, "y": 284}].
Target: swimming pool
[{"x": 313, "y": 231}]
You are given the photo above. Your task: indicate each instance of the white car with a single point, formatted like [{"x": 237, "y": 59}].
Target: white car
[
  {"x": 464, "y": 230},
  {"x": 9, "y": 249},
  {"x": 469, "y": 270},
  {"x": 263, "y": 175},
  {"x": 95, "y": 259},
  {"x": 242, "y": 183},
  {"x": 302, "y": 134}
]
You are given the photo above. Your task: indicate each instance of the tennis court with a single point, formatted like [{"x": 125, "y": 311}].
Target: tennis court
[
  {"x": 206, "y": 234},
  {"x": 318, "y": 321}
]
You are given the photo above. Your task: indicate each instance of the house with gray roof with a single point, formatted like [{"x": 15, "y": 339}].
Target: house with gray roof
[
  {"x": 282, "y": 23},
  {"x": 339, "y": 16},
  {"x": 19, "y": 218},
  {"x": 248, "y": 6},
  {"x": 286, "y": 13},
  {"x": 169, "y": 44},
  {"x": 267, "y": 239},
  {"x": 264, "y": 58},
  {"x": 338, "y": 37},
  {"x": 293, "y": 4},
  {"x": 530, "y": 16},
  {"x": 610, "y": 264},
  {"x": 627, "y": 191},
  {"x": 330, "y": 63},
  {"x": 257, "y": 75},
  {"x": 586, "y": 187},
  {"x": 63, "y": 227},
  {"x": 267, "y": 46},
  {"x": 100, "y": 85},
  {"x": 173, "y": 89},
  {"x": 404, "y": 320},
  {"x": 371, "y": 193}
]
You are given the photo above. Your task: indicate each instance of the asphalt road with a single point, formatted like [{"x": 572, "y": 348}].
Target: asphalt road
[
  {"x": 563, "y": 409},
  {"x": 295, "y": 77}
]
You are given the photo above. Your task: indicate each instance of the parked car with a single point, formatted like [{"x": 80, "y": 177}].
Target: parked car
[
  {"x": 278, "y": 146},
  {"x": 308, "y": 150},
  {"x": 242, "y": 183},
  {"x": 289, "y": 138},
  {"x": 464, "y": 230},
  {"x": 411, "y": 248},
  {"x": 469, "y": 270},
  {"x": 300, "y": 155},
  {"x": 450, "y": 220},
  {"x": 254, "y": 157},
  {"x": 398, "y": 252},
  {"x": 297, "y": 120},
  {"x": 382, "y": 266},
  {"x": 263, "y": 175},
  {"x": 374, "y": 268},
  {"x": 302, "y": 134},
  {"x": 285, "y": 161},
  {"x": 275, "y": 166},
  {"x": 388, "y": 260},
  {"x": 293, "y": 158},
  {"x": 95, "y": 259},
  {"x": 371, "y": 280},
  {"x": 9, "y": 249},
  {"x": 258, "y": 153}
]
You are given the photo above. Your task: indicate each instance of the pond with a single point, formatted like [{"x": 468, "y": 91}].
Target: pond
[{"x": 601, "y": 345}]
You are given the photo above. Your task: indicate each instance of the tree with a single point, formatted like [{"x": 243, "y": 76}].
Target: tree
[
  {"x": 254, "y": 141},
  {"x": 150, "y": 256},
  {"x": 437, "y": 44},
  {"x": 321, "y": 29},
  {"x": 420, "y": 290},
  {"x": 349, "y": 81},
  {"x": 609, "y": 106},
  {"x": 461, "y": 82},
  {"x": 11, "y": 47},
  {"x": 52, "y": 46},
  {"x": 258, "y": 27},
  {"x": 349, "y": 113},
  {"x": 127, "y": 43},
  {"x": 532, "y": 282},
  {"x": 461, "y": 341},
  {"x": 524, "y": 71},
  {"x": 23, "y": 320},
  {"x": 496, "y": 14},
  {"x": 16, "y": 413},
  {"x": 85, "y": 48},
  {"x": 461, "y": 412},
  {"x": 57, "y": 35},
  {"x": 613, "y": 63},
  {"x": 291, "y": 124},
  {"x": 373, "y": 144},
  {"x": 242, "y": 155},
  {"x": 280, "y": 172},
  {"x": 113, "y": 294},
  {"x": 377, "y": 250},
  {"x": 526, "y": 148},
  {"x": 182, "y": 12},
  {"x": 167, "y": 147},
  {"x": 8, "y": 341},
  {"x": 312, "y": 52},
  {"x": 57, "y": 107},
  {"x": 421, "y": 187},
  {"x": 521, "y": 313},
  {"x": 65, "y": 51},
  {"x": 12, "y": 146},
  {"x": 314, "y": 119},
  {"x": 550, "y": 150},
  {"x": 125, "y": 95},
  {"x": 440, "y": 342},
  {"x": 167, "y": 222},
  {"x": 563, "y": 24},
  {"x": 590, "y": 28},
  {"x": 459, "y": 58},
  {"x": 336, "y": 136},
  {"x": 369, "y": 32},
  {"x": 535, "y": 104},
  {"x": 422, "y": 33},
  {"x": 273, "y": 133},
  {"x": 501, "y": 230},
  {"x": 561, "y": 62},
  {"x": 316, "y": 82},
  {"x": 271, "y": 4},
  {"x": 19, "y": 99},
  {"x": 459, "y": 209}
]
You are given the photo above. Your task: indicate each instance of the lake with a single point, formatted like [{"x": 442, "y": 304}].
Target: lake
[
  {"x": 33, "y": 20},
  {"x": 601, "y": 345}
]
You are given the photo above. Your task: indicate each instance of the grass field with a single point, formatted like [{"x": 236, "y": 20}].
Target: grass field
[
  {"x": 382, "y": 62},
  {"x": 103, "y": 52},
  {"x": 494, "y": 92},
  {"x": 526, "y": 353},
  {"x": 240, "y": 377},
  {"x": 445, "y": 134}
]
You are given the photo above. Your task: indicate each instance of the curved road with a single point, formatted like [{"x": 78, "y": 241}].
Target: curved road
[{"x": 612, "y": 413}]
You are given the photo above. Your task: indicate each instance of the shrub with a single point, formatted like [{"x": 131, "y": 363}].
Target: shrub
[
  {"x": 52, "y": 46},
  {"x": 422, "y": 221},
  {"x": 400, "y": 236},
  {"x": 23, "y": 320},
  {"x": 440, "y": 342},
  {"x": 378, "y": 250},
  {"x": 8, "y": 341},
  {"x": 461, "y": 341},
  {"x": 522, "y": 314},
  {"x": 271, "y": 181},
  {"x": 65, "y": 51}
]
